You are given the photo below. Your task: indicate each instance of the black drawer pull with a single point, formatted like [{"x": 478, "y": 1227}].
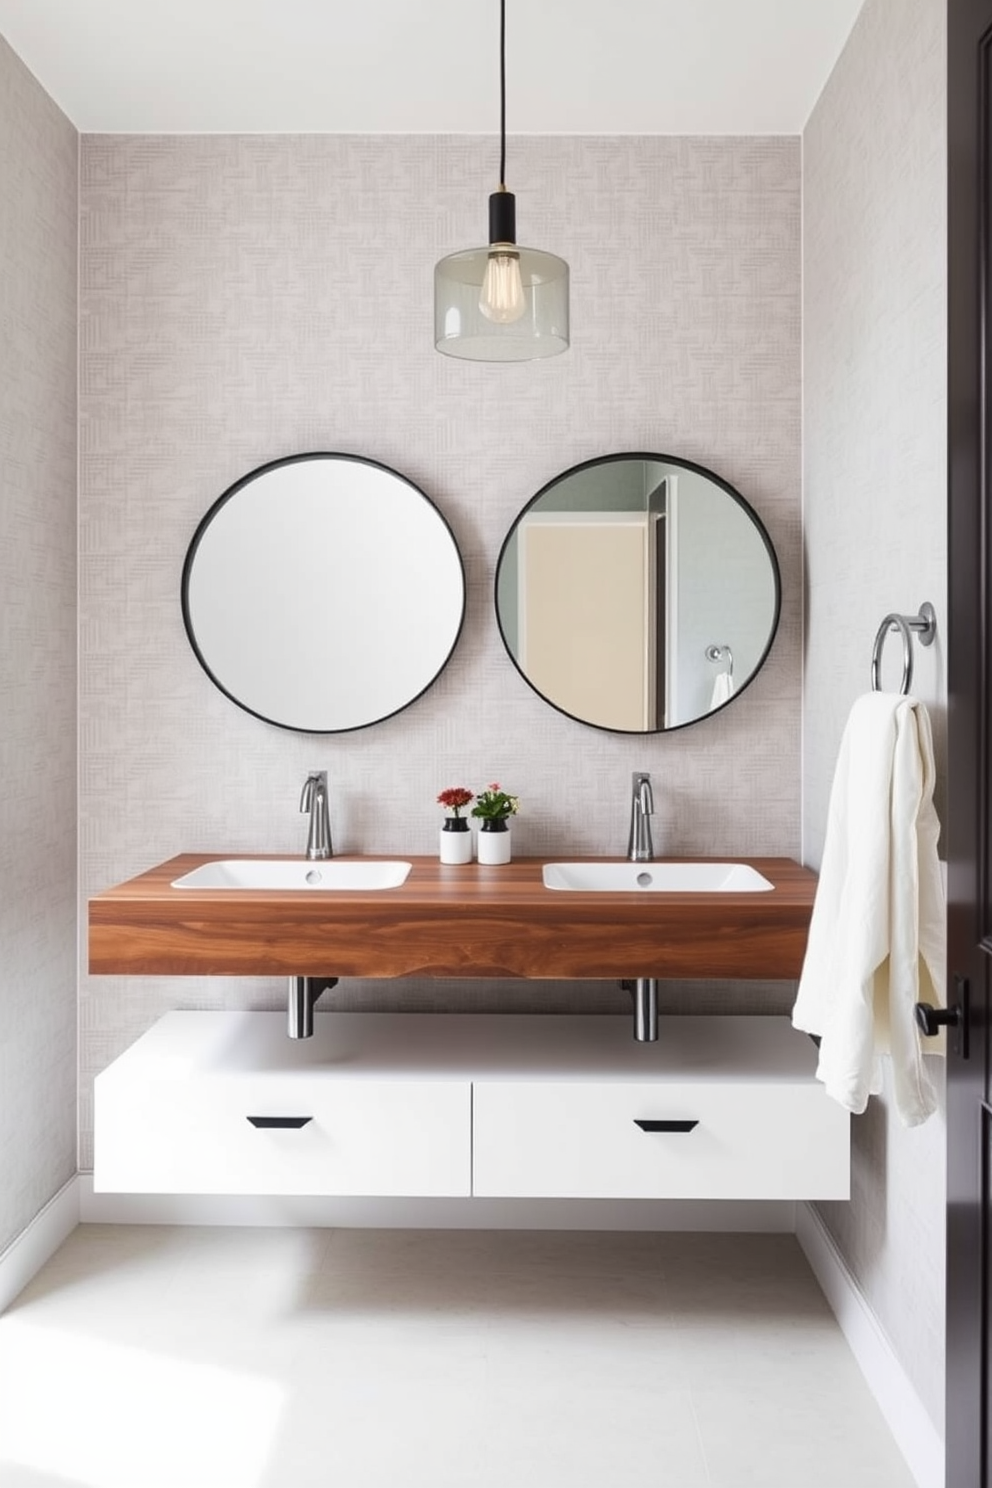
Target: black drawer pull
[
  {"x": 282, "y": 1121},
  {"x": 669, "y": 1126}
]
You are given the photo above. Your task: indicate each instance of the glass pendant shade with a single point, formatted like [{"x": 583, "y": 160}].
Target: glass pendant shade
[{"x": 501, "y": 303}]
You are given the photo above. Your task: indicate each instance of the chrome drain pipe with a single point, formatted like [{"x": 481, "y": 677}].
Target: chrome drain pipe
[
  {"x": 303, "y": 994},
  {"x": 644, "y": 991}
]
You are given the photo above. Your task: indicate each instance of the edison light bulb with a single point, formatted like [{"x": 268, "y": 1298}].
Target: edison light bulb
[{"x": 502, "y": 296}]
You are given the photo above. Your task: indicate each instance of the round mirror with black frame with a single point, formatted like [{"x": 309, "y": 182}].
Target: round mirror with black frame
[
  {"x": 323, "y": 592},
  {"x": 638, "y": 593}
]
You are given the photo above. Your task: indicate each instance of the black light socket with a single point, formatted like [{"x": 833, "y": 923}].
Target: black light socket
[{"x": 502, "y": 217}]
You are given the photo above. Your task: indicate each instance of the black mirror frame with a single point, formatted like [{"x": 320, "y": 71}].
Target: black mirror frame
[
  {"x": 659, "y": 460},
  {"x": 222, "y": 501}
]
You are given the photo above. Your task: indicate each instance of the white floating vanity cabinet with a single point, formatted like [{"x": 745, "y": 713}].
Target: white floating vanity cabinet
[{"x": 447, "y": 1105}]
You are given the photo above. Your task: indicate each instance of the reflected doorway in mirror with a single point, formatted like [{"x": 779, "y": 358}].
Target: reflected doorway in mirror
[{"x": 617, "y": 577}]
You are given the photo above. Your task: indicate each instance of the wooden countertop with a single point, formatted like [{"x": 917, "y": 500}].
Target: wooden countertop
[{"x": 471, "y": 921}]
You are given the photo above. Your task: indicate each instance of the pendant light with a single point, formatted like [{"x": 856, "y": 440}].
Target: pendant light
[{"x": 501, "y": 303}]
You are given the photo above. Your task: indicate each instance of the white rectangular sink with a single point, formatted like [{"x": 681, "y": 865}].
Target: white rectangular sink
[
  {"x": 300, "y": 873},
  {"x": 655, "y": 878}
]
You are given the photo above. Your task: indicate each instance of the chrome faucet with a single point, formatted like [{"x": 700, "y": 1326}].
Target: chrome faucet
[
  {"x": 314, "y": 800},
  {"x": 640, "y": 848}
]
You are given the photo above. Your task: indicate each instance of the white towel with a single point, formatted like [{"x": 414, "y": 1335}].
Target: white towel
[
  {"x": 723, "y": 690},
  {"x": 878, "y": 932}
]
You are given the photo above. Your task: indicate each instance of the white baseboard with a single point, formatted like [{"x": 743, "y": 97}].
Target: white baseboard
[
  {"x": 433, "y": 1214},
  {"x": 907, "y": 1417},
  {"x": 26, "y": 1254}
]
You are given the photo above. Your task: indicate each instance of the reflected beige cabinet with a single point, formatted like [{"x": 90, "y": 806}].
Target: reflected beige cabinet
[{"x": 590, "y": 614}]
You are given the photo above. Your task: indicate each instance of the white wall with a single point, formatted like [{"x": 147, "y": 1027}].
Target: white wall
[
  {"x": 38, "y": 177},
  {"x": 875, "y": 515},
  {"x": 244, "y": 298}
]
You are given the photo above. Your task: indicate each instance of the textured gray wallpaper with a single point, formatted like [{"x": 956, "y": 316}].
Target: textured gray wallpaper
[
  {"x": 38, "y": 177},
  {"x": 244, "y": 298},
  {"x": 875, "y": 519}
]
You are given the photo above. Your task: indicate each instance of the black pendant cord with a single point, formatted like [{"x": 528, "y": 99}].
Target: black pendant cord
[
  {"x": 502, "y": 93},
  {"x": 502, "y": 203}
]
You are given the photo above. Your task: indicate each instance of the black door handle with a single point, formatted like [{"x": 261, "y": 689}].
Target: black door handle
[
  {"x": 665, "y": 1126},
  {"x": 294, "y": 1122},
  {"x": 931, "y": 1019}
]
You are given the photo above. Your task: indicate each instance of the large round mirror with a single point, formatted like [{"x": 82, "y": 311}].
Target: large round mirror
[
  {"x": 637, "y": 593},
  {"x": 323, "y": 592}
]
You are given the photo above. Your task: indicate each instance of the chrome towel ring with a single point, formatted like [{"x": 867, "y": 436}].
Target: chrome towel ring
[
  {"x": 721, "y": 653},
  {"x": 925, "y": 626}
]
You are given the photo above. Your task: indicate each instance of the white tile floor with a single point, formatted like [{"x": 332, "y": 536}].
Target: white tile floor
[{"x": 148, "y": 1357}]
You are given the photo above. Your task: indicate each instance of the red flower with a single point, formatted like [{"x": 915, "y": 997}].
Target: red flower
[{"x": 455, "y": 798}]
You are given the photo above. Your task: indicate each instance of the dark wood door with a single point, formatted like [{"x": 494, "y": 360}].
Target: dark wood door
[{"x": 969, "y": 1129}]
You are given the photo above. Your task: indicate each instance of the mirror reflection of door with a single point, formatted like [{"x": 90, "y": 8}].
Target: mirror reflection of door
[
  {"x": 638, "y": 593},
  {"x": 588, "y": 614}
]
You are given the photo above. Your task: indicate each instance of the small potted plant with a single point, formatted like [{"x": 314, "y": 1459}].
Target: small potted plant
[
  {"x": 456, "y": 839},
  {"x": 494, "y": 807}
]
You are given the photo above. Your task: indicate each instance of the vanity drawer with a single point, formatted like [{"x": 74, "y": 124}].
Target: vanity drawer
[
  {"x": 751, "y": 1140},
  {"x": 229, "y": 1136}
]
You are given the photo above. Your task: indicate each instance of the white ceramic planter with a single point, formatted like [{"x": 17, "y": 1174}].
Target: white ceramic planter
[
  {"x": 493, "y": 847},
  {"x": 455, "y": 843}
]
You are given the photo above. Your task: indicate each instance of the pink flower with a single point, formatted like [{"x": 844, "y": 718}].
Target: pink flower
[{"x": 495, "y": 804}]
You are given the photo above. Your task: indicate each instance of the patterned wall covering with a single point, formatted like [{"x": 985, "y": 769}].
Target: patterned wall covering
[
  {"x": 244, "y": 298},
  {"x": 38, "y": 228},
  {"x": 875, "y": 517}
]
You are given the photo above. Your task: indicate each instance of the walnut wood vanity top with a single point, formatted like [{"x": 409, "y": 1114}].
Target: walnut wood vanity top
[{"x": 470, "y": 921}]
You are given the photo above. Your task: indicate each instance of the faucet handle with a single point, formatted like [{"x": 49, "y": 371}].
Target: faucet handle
[
  {"x": 316, "y": 778},
  {"x": 640, "y": 848},
  {"x": 643, "y": 792},
  {"x": 314, "y": 800}
]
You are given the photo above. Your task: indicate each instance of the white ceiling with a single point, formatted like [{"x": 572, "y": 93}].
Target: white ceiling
[{"x": 426, "y": 66}]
